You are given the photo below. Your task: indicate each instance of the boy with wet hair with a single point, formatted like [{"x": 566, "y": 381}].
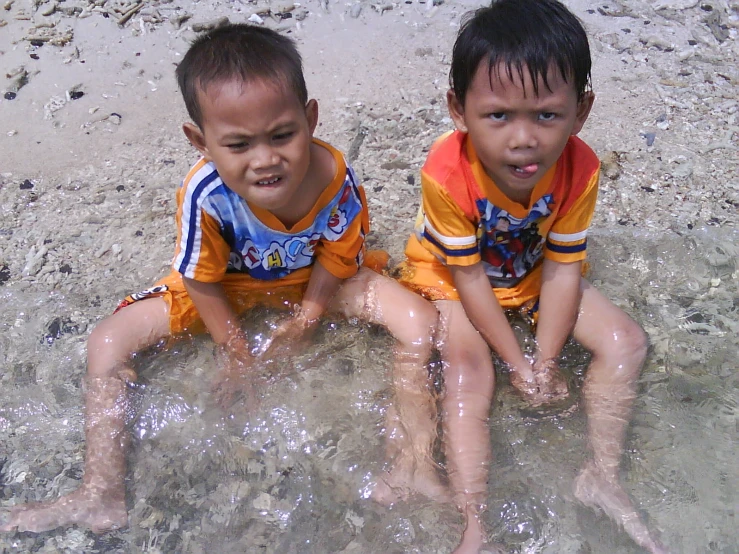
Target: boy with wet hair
[
  {"x": 268, "y": 215},
  {"x": 520, "y": 93}
]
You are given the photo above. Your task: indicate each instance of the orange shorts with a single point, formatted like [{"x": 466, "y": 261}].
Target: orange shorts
[
  {"x": 243, "y": 293},
  {"x": 434, "y": 282}
]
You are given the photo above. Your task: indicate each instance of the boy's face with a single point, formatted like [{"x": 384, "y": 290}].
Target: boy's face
[
  {"x": 258, "y": 135},
  {"x": 518, "y": 135}
]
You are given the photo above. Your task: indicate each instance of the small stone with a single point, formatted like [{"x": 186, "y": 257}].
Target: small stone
[
  {"x": 66, "y": 269},
  {"x": 37, "y": 43},
  {"x": 58, "y": 327},
  {"x": 4, "y": 274},
  {"x": 74, "y": 95},
  {"x": 10, "y": 95},
  {"x": 254, "y": 18},
  {"x": 120, "y": 188},
  {"x": 355, "y": 11},
  {"x": 649, "y": 138},
  {"x": 34, "y": 56},
  {"x": 26, "y": 185}
]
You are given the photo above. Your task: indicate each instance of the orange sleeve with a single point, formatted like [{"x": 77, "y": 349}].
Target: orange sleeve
[
  {"x": 567, "y": 239},
  {"x": 214, "y": 252},
  {"x": 445, "y": 230},
  {"x": 343, "y": 257}
]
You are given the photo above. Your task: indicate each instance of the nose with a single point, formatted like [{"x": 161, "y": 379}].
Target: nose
[
  {"x": 264, "y": 156},
  {"x": 522, "y": 135}
]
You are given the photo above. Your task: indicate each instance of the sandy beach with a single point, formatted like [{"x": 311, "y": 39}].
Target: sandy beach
[{"x": 90, "y": 131}]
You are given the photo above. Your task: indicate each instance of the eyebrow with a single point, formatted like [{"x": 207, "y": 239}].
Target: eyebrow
[{"x": 242, "y": 135}]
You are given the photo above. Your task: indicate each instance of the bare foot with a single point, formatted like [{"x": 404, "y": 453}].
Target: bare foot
[
  {"x": 593, "y": 489},
  {"x": 95, "y": 511},
  {"x": 473, "y": 537},
  {"x": 401, "y": 481}
]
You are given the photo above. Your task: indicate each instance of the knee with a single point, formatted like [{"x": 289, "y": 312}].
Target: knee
[
  {"x": 626, "y": 344},
  {"x": 421, "y": 326},
  {"x": 106, "y": 351},
  {"x": 469, "y": 374}
]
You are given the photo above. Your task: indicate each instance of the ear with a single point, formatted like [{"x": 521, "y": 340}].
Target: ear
[
  {"x": 583, "y": 111},
  {"x": 311, "y": 112},
  {"x": 196, "y": 138},
  {"x": 456, "y": 111}
]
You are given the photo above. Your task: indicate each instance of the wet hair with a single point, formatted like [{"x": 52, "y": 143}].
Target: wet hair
[
  {"x": 522, "y": 34},
  {"x": 239, "y": 51}
]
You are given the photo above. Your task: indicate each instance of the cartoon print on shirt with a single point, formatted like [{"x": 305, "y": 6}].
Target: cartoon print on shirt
[
  {"x": 511, "y": 246},
  {"x": 286, "y": 252}
]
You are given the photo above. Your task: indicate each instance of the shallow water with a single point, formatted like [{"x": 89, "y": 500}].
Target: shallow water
[{"x": 293, "y": 475}]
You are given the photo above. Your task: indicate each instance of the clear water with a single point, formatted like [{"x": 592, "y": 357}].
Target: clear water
[{"x": 293, "y": 476}]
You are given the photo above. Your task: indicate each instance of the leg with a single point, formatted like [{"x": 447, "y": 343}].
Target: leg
[
  {"x": 100, "y": 502},
  {"x": 411, "y": 421},
  {"x": 469, "y": 380},
  {"x": 618, "y": 347}
]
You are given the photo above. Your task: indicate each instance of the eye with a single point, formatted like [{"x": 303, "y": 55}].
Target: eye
[
  {"x": 497, "y": 116},
  {"x": 547, "y": 116},
  {"x": 284, "y": 136},
  {"x": 237, "y": 145}
]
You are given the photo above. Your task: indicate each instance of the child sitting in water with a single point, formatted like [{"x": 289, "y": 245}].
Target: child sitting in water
[
  {"x": 269, "y": 214},
  {"x": 507, "y": 200}
]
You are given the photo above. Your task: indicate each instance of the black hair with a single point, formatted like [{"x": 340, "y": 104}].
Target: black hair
[
  {"x": 531, "y": 34},
  {"x": 242, "y": 51}
]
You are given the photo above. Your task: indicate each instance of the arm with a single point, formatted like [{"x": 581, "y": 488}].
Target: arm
[
  {"x": 484, "y": 311},
  {"x": 214, "y": 309},
  {"x": 236, "y": 377},
  {"x": 558, "y": 304}
]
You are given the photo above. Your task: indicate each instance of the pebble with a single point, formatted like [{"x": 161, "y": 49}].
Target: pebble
[
  {"x": 35, "y": 259},
  {"x": 10, "y": 95},
  {"x": 649, "y": 138}
]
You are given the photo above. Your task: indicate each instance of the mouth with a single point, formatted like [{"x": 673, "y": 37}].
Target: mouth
[
  {"x": 525, "y": 170},
  {"x": 270, "y": 181}
]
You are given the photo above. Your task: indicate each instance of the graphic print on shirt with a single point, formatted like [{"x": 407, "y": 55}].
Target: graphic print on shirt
[{"x": 510, "y": 246}]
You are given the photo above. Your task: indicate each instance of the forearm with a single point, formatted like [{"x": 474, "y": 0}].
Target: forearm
[
  {"x": 485, "y": 313},
  {"x": 214, "y": 309},
  {"x": 559, "y": 302},
  {"x": 322, "y": 287}
]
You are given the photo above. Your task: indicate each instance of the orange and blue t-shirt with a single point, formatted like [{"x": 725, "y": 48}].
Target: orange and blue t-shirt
[
  {"x": 219, "y": 232},
  {"x": 465, "y": 219}
]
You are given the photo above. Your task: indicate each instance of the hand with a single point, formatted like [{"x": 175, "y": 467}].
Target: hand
[
  {"x": 550, "y": 380},
  {"x": 540, "y": 383},
  {"x": 289, "y": 337},
  {"x": 238, "y": 378}
]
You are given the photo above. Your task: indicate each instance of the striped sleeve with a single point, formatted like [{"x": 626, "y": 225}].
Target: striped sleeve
[
  {"x": 445, "y": 230},
  {"x": 202, "y": 253},
  {"x": 567, "y": 240}
]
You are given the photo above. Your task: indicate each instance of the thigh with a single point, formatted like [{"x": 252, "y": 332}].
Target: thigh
[
  {"x": 381, "y": 300},
  {"x": 127, "y": 331},
  {"x": 465, "y": 354}
]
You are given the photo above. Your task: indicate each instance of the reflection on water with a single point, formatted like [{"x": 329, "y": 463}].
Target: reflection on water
[{"x": 292, "y": 475}]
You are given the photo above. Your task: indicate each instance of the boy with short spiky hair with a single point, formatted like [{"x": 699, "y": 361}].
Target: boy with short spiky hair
[
  {"x": 507, "y": 201},
  {"x": 268, "y": 215}
]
